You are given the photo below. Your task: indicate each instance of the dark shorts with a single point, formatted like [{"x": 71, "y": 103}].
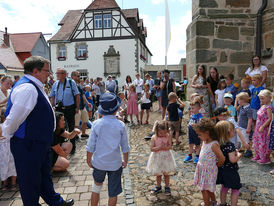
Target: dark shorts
[
  {"x": 174, "y": 126},
  {"x": 164, "y": 101},
  {"x": 114, "y": 180},
  {"x": 193, "y": 136},
  {"x": 145, "y": 106}
]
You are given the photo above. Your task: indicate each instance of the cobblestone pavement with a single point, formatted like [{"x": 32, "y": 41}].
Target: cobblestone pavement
[
  {"x": 75, "y": 183},
  {"x": 258, "y": 185}
]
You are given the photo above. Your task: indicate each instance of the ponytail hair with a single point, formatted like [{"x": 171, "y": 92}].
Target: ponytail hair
[{"x": 160, "y": 125}]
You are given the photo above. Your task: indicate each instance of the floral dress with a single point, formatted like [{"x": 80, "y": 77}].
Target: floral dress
[
  {"x": 202, "y": 92},
  {"x": 271, "y": 136},
  {"x": 206, "y": 170},
  {"x": 261, "y": 139}
]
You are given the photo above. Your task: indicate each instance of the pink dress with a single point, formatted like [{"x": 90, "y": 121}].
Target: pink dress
[
  {"x": 162, "y": 161},
  {"x": 206, "y": 170},
  {"x": 132, "y": 106},
  {"x": 261, "y": 139}
]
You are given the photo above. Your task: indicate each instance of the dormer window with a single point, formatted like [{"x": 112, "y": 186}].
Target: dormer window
[
  {"x": 81, "y": 51},
  {"x": 107, "y": 20},
  {"x": 62, "y": 53},
  {"x": 98, "y": 21}
]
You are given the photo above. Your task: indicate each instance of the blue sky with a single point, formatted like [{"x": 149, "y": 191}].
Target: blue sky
[{"x": 40, "y": 15}]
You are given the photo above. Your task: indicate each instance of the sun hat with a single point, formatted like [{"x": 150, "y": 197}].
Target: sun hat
[
  {"x": 228, "y": 95},
  {"x": 108, "y": 104}
]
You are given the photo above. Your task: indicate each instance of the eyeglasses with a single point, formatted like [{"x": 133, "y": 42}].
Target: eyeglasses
[
  {"x": 256, "y": 59},
  {"x": 60, "y": 73}
]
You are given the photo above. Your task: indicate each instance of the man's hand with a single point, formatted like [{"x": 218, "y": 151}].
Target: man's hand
[{"x": 77, "y": 110}]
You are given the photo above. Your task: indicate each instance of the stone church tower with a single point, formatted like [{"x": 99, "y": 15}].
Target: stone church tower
[{"x": 223, "y": 33}]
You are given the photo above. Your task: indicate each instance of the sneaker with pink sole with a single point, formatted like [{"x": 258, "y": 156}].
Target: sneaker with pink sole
[
  {"x": 256, "y": 158},
  {"x": 264, "y": 161}
]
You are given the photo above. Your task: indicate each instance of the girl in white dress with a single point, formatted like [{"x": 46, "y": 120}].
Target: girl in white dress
[{"x": 161, "y": 161}]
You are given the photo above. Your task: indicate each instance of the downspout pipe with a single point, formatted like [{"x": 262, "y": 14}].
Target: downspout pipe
[{"x": 259, "y": 28}]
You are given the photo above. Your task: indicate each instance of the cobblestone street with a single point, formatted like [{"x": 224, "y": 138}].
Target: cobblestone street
[{"x": 76, "y": 182}]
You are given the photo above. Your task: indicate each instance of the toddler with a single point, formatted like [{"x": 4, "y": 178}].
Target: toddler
[
  {"x": 194, "y": 141},
  {"x": 220, "y": 92},
  {"x": 122, "y": 111},
  {"x": 230, "y": 88},
  {"x": 161, "y": 161},
  {"x": 173, "y": 115},
  {"x": 89, "y": 96},
  {"x": 146, "y": 102},
  {"x": 245, "y": 118},
  {"x": 228, "y": 100},
  {"x": 261, "y": 135},
  {"x": 255, "y": 100},
  {"x": 228, "y": 175},
  {"x": 222, "y": 113},
  {"x": 211, "y": 156},
  {"x": 132, "y": 106},
  {"x": 245, "y": 82}
]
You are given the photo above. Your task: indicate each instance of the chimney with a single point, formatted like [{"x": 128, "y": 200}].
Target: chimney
[{"x": 6, "y": 37}]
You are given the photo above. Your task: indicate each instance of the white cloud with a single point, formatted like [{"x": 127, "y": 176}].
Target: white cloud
[{"x": 156, "y": 38}]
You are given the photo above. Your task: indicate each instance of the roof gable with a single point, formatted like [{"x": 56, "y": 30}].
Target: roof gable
[
  {"x": 102, "y": 4},
  {"x": 9, "y": 60},
  {"x": 24, "y": 42}
]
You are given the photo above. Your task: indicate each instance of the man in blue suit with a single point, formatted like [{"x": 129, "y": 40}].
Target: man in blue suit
[{"x": 29, "y": 124}]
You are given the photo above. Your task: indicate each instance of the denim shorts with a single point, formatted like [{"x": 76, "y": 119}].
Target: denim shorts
[
  {"x": 114, "y": 180},
  {"x": 254, "y": 114}
]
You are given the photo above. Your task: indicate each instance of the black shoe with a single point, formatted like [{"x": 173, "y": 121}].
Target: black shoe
[
  {"x": 148, "y": 137},
  {"x": 68, "y": 202},
  {"x": 84, "y": 136}
]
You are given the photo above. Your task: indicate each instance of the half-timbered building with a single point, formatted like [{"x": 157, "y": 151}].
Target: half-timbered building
[{"x": 101, "y": 40}]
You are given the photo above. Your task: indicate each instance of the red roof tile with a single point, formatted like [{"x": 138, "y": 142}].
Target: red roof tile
[
  {"x": 103, "y": 4},
  {"x": 24, "y": 42},
  {"x": 9, "y": 59},
  {"x": 130, "y": 13},
  {"x": 68, "y": 23}
]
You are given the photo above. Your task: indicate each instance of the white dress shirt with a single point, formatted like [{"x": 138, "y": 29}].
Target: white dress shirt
[
  {"x": 138, "y": 83},
  {"x": 23, "y": 98}
]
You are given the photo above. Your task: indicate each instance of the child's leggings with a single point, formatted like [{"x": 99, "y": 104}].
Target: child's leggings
[{"x": 225, "y": 190}]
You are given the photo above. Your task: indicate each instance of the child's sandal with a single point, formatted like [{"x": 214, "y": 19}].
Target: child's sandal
[
  {"x": 167, "y": 191},
  {"x": 156, "y": 190}
]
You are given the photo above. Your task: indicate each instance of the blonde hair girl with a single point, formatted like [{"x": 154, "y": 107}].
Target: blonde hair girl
[
  {"x": 260, "y": 136},
  {"x": 228, "y": 175}
]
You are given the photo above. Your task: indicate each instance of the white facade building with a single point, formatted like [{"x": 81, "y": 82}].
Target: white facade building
[{"x": 101, "y": 40}]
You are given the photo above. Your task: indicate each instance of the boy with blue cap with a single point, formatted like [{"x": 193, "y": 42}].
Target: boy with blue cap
[{"x": 108, "y": 137}]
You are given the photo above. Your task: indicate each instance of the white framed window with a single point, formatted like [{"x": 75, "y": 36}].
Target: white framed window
[
  {"x": 82, "y": 51},
  {"x": 107, "y": 20},
  {"x": 62, "y": 52},
  {"x": 98, "y": 21}
]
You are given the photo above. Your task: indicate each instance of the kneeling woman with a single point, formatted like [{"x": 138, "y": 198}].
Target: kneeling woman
[{"x": 60, "y": 148}]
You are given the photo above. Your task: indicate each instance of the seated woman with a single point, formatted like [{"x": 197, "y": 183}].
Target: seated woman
[{"x": 60, "y": 148}]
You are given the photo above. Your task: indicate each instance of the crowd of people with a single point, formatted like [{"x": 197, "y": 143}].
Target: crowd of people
[{"x": 223, "y": 118}]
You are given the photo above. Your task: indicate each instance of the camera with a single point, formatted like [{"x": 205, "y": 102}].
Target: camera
[{"x": 59, "y": 105}]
